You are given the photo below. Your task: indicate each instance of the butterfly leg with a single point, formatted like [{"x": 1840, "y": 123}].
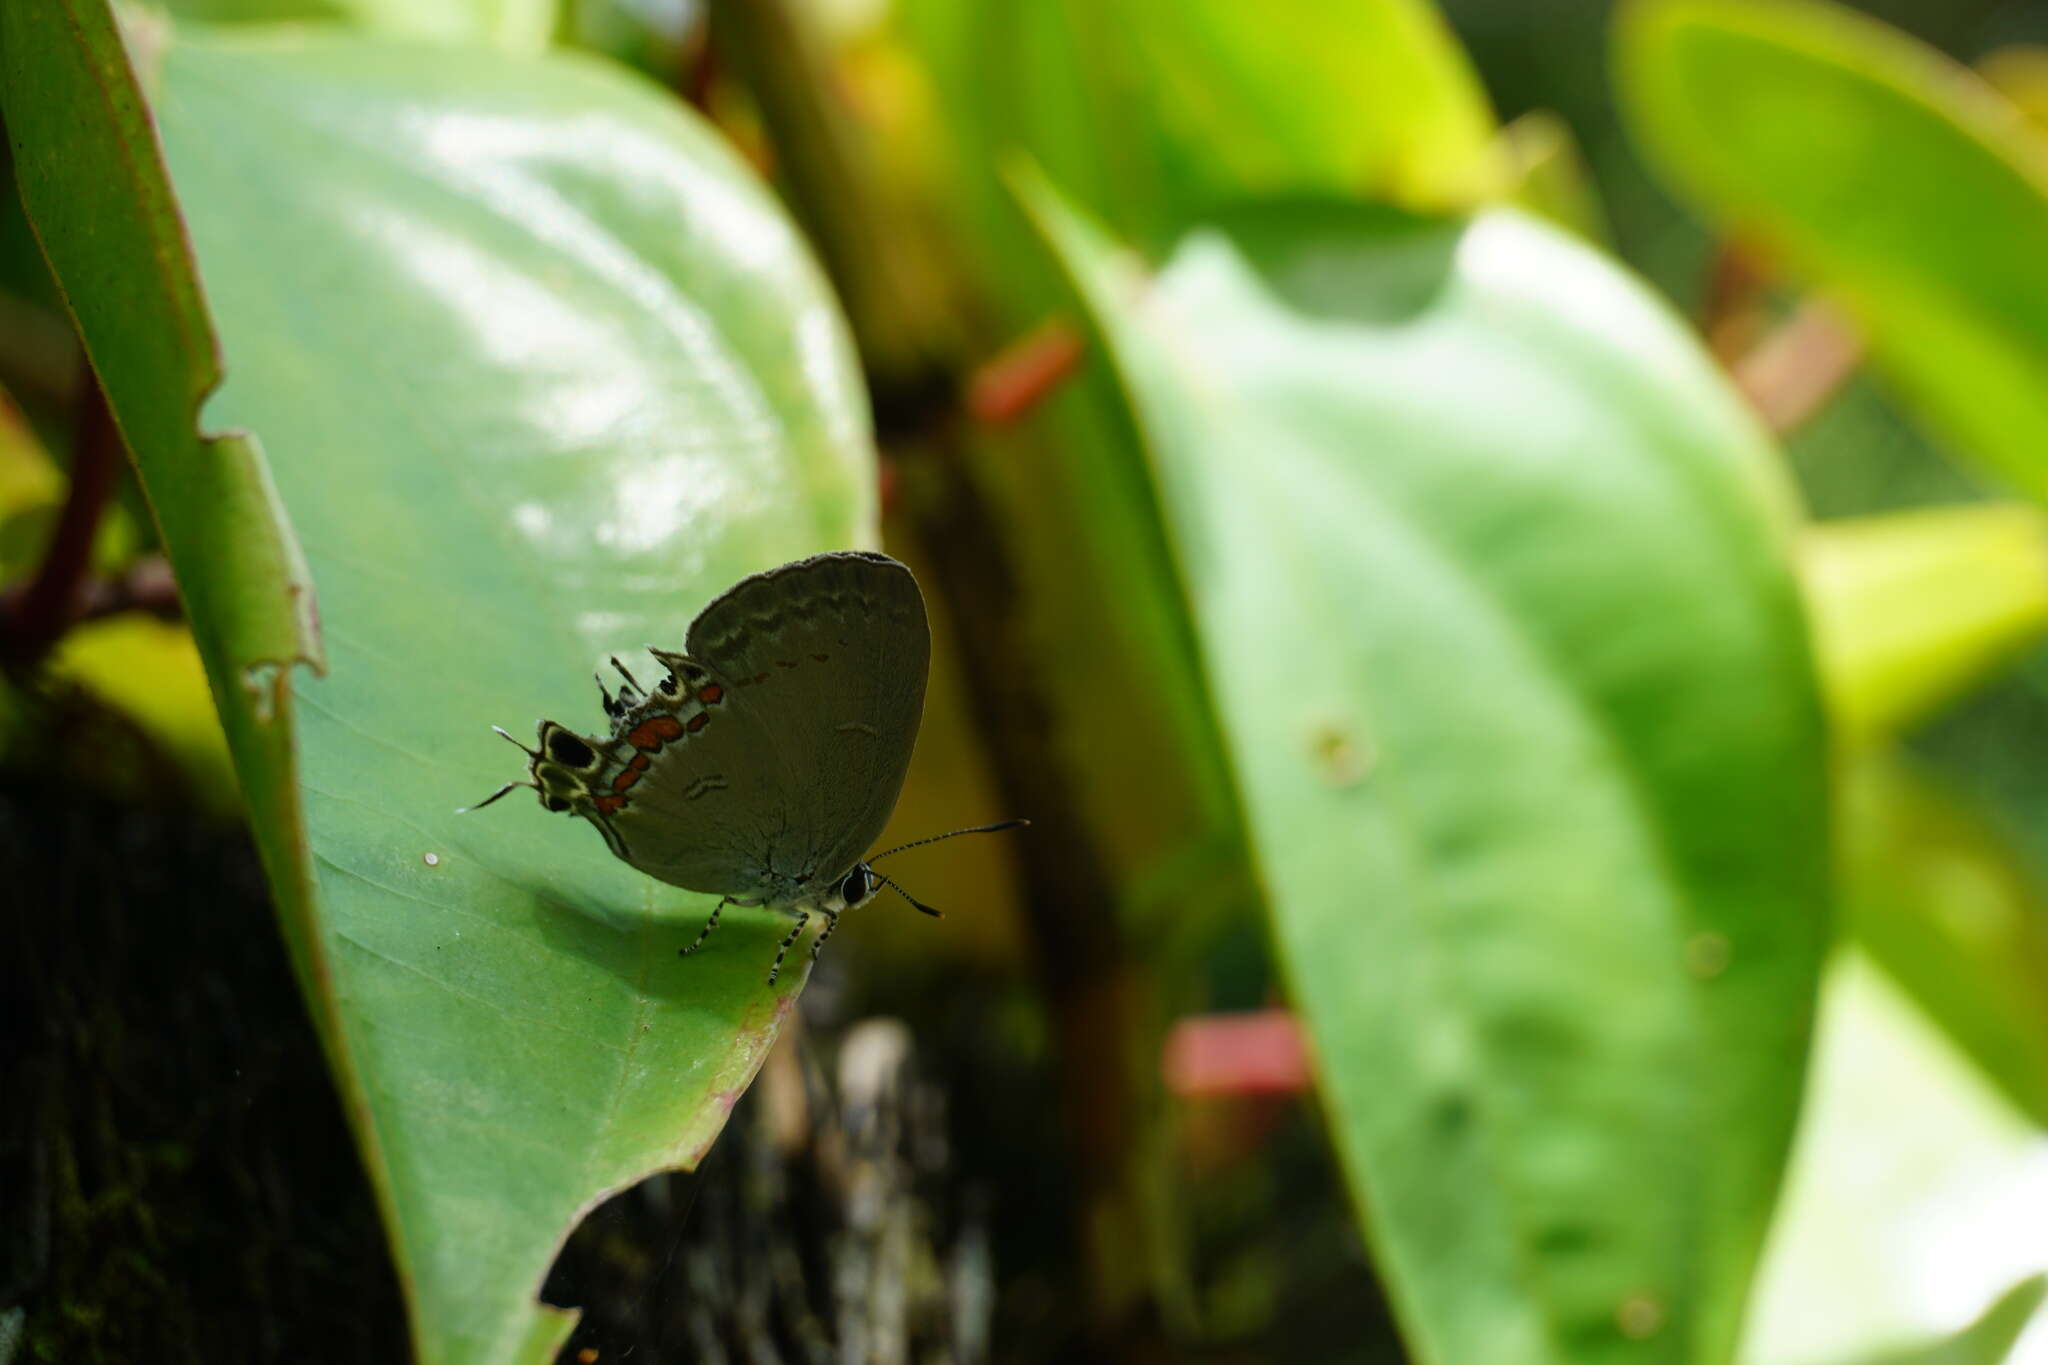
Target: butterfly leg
[
  {"x": 831, "y": 923},
  {"x": 709, "y": 925},
  {"x": 803, "y": 919}
]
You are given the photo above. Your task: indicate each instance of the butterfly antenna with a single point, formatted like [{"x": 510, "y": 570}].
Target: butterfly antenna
[
  {"x": 997, "y": 828},
  {"x": 611, "y": 708},
  {"x": 630, "y": 679},
  {"x": 929, "y": 910},
  {"x": 530, "y": 753},
  {"x": 464, "y": 810}
]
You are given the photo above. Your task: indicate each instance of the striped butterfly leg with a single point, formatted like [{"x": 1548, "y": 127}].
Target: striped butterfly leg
[
  {"x": 709, "y": 925},
  {"x": 803, "y": 919},
  {"x": 831, "y": 923}
]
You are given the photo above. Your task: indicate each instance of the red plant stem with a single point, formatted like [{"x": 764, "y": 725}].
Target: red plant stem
[
  {"x": 1786, "y": 369},
  {"x": 701, "y": 72},
  {"x": 1732, "y": 308},
  {"x": 41, "y": 612},
  {"x": 1260, "y": 1052},
  {"x": 1792, "y": 371},
  {"x": 1012, "y": 385}
]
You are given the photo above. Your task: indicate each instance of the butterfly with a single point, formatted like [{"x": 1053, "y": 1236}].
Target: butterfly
[{"x": 770, "y": 755}]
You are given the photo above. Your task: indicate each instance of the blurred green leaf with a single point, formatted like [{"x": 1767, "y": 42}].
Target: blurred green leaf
[
  {"x": 515, "y": 25},
  {"x": 1912, "y": 609},
  {"x": 1943, "y": 902},
  {"x": 1364, "y": 97},
  {"x": 1150, "y": 111},
  {"x": 1490, "y": 575},
  {"x": 1916, "y": 1196},
  {"x": 1886, "y": 175},
  {"x": 1987, "y": 1341},
  {"x": 541, "y": 369}
]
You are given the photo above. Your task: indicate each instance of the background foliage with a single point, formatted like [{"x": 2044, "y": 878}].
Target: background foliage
[{"x": 1490, "y": 656}]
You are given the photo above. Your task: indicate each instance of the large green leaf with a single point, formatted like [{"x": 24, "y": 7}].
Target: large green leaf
[
  {"x": 1893, "y": 178},
  {"x": 540, "y": 370},
  {"x": 1490, "y": 573}
]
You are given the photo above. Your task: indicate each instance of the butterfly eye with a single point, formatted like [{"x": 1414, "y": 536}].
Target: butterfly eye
[
  {"x": 669, "y": 684},
  {"x": 564, "y": 747},
  {"x": 554, "y": 803},
  {"x": 856, "y": 888}
]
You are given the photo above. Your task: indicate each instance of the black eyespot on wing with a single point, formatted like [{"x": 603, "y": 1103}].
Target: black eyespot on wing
[
  {"x": 565, "y": 748},
  {"x": 858, "y": 884},
  {"x": 554, "y": 803}
]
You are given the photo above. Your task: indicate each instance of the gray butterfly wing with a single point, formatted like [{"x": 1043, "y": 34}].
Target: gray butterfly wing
[{"x": 818, "y": 669}]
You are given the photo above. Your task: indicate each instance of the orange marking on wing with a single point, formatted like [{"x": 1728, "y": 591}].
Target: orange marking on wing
[
  {"x": 607, "y": 804},
  {"x": 654, "y": 732},
  {"x": 697, "y": 722},
  {"x": 626, "y": 778},
  {"x": 709, "y": 695}
]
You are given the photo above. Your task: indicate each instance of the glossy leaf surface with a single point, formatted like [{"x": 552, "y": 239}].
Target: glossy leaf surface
[{"x": 540, "y": 369}]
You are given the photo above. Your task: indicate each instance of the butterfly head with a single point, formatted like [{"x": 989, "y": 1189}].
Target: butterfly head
[{"x": 851, "y": 891}]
